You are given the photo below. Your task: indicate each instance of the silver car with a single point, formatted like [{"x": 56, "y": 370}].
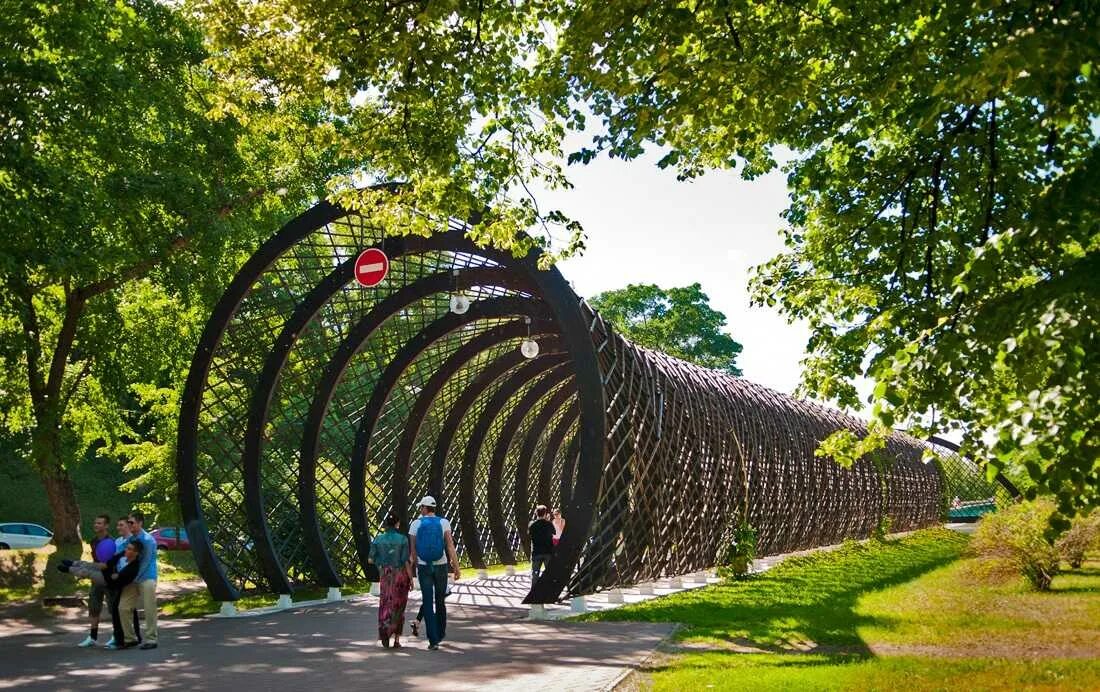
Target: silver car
[{"x": 24, "y": 536}]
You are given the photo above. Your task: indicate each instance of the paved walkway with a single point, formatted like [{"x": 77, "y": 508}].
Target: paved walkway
[{"x": 334, "y": 647}]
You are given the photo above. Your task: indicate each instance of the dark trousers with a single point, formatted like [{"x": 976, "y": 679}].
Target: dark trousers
[
  {"x": 433, "y": 589},
  {"x": 538, "y": 564}
]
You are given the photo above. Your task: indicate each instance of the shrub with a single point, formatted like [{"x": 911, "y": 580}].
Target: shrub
[
  {"x": 1083, "y": 536},
  {"x": 1013, "y": 541},
  {"x": 740, "y": 553}
]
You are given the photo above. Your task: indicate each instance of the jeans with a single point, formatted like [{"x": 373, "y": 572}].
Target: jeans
[
  {"x": 433, "y": 589},
  {"x": 538, "y": 564}
]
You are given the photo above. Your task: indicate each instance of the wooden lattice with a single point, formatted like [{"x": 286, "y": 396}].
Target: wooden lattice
[{"x": 313, "y": 407}]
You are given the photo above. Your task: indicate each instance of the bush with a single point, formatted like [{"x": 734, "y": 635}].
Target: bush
[
  {"x": 740, "y": 552},
  {"x": 1013, "y": 541},
  {"x": 1083, "y": 536}
]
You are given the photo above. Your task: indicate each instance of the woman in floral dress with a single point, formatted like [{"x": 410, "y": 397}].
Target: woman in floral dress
[{"x": 390, "y": 552}]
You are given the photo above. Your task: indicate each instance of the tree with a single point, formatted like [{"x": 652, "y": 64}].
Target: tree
[
  {"x": 679, "y": 322},
  {"x": 122, "y": 194},
  {"x": 942, "y": 229}
]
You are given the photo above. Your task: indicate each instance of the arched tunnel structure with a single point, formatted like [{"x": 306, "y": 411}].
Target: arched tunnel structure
[{"x": 314, "y": 406}]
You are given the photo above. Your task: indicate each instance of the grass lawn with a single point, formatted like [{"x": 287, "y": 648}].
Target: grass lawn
[{"x": 902, "y": 614}]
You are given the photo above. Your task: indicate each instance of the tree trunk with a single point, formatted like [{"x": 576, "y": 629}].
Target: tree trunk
[
  {"x": 48, "y": 459},
  {"x": 63, "y": 507}
]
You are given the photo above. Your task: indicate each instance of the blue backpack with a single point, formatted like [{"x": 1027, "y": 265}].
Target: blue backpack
[{"x": 429, "y": 539}]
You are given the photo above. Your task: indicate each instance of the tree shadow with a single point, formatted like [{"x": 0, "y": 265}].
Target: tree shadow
[{"x": 804, "y": 605}]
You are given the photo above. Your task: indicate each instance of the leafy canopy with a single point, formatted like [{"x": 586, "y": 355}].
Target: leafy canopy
[
  {"x": 126, "y": 199},
  {"x": 677, "y": 321},
  {"x": 942, "y": 232}
]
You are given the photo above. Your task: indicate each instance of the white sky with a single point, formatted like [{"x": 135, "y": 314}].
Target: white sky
[{"x": 644, "y": 226}]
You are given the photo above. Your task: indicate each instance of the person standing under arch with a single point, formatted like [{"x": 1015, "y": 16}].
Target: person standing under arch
[
  {"x": 541, "y": 532},
  {"x": 431, "y": 546},
  {"x": 390, "y": 553}
]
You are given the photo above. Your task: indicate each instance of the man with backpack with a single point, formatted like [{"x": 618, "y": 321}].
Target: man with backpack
[{"x": 431, "y": 545}]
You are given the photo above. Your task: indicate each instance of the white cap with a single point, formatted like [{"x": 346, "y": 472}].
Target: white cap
[{"x": 428, "y": 501}]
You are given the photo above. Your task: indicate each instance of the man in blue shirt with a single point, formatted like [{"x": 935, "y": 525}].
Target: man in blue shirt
[{"x": 146, "y": 580}]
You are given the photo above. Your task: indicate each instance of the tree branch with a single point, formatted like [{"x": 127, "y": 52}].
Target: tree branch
[
  {"x": 130, "y": 273},
  {"x": 74, "y": 307},
  {"x": 28, "y": 317},
  {"x": 76, "y": 384}
]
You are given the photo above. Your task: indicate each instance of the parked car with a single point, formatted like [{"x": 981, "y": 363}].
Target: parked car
[
  {"x": 171, "y": 538},
  {"x": 24, "y": 536}
]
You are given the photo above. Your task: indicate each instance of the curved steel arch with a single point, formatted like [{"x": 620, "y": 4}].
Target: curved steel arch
[{"x": 638, "y": 437}]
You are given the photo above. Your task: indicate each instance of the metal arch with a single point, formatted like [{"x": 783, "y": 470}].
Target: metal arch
[
  {"x": 458, "y": 412},
  {"x": 307, "y": 309},
  {"x": 550, "y": 454},
  {"x": 545, "y": 414},
  {"x": 500, "y": 451},
  {"x": 523, "y": 374},
  {"x": 208, "y": 564},
  {"x": 654, "y": 434},
  {"x": 493, "y": 307},
  {"x": 454, "y": 363},
  {"x": 1001, "y": 479},
  {"x": 305, "y": 312},
  {"x": 311, "y": 528}
]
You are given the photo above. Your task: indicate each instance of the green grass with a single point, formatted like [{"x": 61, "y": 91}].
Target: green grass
[
  {"x": 802, "y": 603},
  {"x": 176, "y": 565},
  {"x": 902, "y": 614},
  {"x": 725, "y": 671},
  {"x": 22, "y": 497}
]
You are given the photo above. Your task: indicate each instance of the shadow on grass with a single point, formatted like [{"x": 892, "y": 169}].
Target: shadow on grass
[{"x": 804, "y": 605}]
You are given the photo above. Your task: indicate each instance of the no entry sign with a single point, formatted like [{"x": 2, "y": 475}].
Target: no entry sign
[{"x": 371, "y": 267}]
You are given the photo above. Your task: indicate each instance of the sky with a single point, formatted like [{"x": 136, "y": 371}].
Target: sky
[{"x": 644, "y": 226}]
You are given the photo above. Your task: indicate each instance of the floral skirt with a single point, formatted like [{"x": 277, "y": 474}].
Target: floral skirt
[{"x": 394, "y": 589}]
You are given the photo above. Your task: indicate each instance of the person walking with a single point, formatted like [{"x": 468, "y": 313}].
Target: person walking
[
  {"x": 146, "y": 582},
  {"x": 541, "y": 531},
  {"x": 103, "y": 549},
  {"x": 389, "y": 551},
  {"x": 431, "y": 546}
]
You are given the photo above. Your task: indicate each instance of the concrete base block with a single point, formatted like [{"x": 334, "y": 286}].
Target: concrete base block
[
  {"x": 615, "y": 596},
  {"x": 675, "y": 583},
  {"x": 284, "y": 601},
  {"x": 228, "y": 609},
  {"x": 510, "y": 570},
  {"x": 645, "y": 589},
  {"x": 483, "y": 574},
  {"x": 375, "y": 590},
  {"x": 578, "y": 604},
  {"x": 333, "y": 595},
  {"x": 538, "y": 612}
]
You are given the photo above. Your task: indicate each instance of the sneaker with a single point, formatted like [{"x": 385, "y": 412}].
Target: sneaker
[
  {"x": 87, "y": 643},
  {"x": 114, "y": 647},
  {"x": 433, "y": 647},
  {"x": 110, "y": 641},
  {"x": 148, "y": 645}
]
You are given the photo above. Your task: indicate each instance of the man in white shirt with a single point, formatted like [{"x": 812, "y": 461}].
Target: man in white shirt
[{"x": 430, "y": 552}]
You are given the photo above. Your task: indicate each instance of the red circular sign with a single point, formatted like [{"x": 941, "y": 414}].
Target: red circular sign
[{"x": 371, "y": 267}]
